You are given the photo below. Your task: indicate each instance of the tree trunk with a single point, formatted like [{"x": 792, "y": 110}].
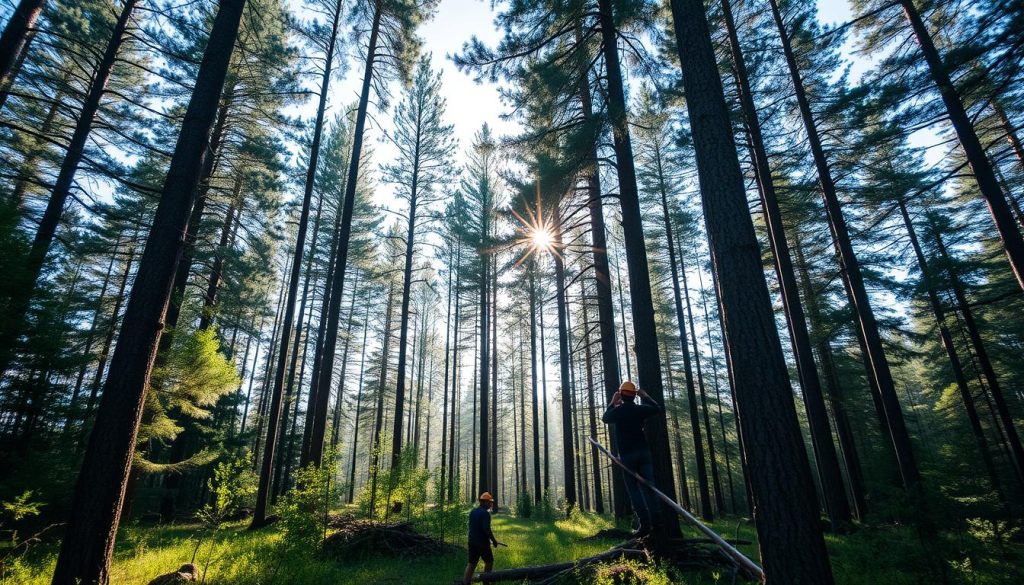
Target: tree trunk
[
  {"x": 785, "y": 511},
  {"x": 716, "y": 481},
  {"x": 12, "y": 40},
  {"x": 358, "y": 409},
  {"x": 89, "y": 540},
  {"x": 853, "y": 279},
  {"x": 533, "y": 381},
  {"x": 378, "y": 424},
  {"x": 991, "y": 379},
  {"x": 603, "y": 288},
  {"x": 644, "y": 330},
  {"x": 323, "y": 381},
  {"x": 403, "y": 328},
  {"x": 595, "y": 464},
  {"x": 16, "y": 36},
  {"x": 984, "y": 174},
  {"x": 568, "y": 448},
  {"x": 706, "y": 511},
  {"x": 950, "y": 349},
  {"x": 829, "y": 474},
  {"x": 210, "y": 300}
]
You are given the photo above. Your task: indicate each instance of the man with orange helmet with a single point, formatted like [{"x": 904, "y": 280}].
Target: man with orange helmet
[
  {"x": 628, "y": 418},
  {"x": 480, "y": 537}
]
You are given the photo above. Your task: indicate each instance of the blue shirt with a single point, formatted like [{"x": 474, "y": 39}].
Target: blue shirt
[{"x": 480, "y": 527}]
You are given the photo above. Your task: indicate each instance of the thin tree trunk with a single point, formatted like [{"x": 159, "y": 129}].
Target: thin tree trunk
[
  {"x": 853, "y": 279},
  {"x": 785, "y": 511},
  {"x": 984, "y": 175},
  {"x": 981, "y": 353},
  {"x": 358, "y": 411},
  {"x": 716, "y": 481},
  {"x": 341, "y": 261},
  {"x": 102, "y": 482},
  {"x": 533, "y": 381},
  {"x": 950, "y": 349},
  {"x": 544, "y": 397},
  {"x": 706, "y": 511},
  {"x": 568, "y": 447},
  {"x": 645, "y": 333},
  {"x": 595, "y": 464},
  {"x": 10, "y": 43}
]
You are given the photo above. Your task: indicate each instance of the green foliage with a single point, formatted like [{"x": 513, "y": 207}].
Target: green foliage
[
  {"x": 232, "y": 488},
  {"x": 305, "y": 508},
  {"x": 546, "y": 509},
  {"x": 405, "y": 483},
  {"x": 194, "y": 378},
  {"x": 524, "y": 504},
  {"x": 629, "y": 572}
]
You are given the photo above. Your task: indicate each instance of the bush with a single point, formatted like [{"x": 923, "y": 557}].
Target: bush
[
  {"x": 304, "y": 513},
  {"x": 524, "y": 504},
  {"x": 404, "y": 487}
]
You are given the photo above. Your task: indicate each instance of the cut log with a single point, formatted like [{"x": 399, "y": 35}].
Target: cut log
[{"x": 522, "y": 573}]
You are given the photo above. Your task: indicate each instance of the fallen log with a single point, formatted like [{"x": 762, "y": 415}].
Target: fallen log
[{"x": 535, "y": 572}]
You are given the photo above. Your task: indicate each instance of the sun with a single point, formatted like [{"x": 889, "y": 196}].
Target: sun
[{"x": 541, "y": 239}]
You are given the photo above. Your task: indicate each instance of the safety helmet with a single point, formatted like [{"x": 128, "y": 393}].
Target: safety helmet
[
  {"x": 486, "y": 497},
  {"x": 628, "y": 388}
]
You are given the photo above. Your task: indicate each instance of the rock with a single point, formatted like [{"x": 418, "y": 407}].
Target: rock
[{"x": 186, "y": 574}]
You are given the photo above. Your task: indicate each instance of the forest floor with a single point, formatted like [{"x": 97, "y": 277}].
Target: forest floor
[{"x": 233, "y": 555}]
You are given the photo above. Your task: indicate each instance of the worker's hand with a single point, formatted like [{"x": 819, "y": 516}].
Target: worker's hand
[
  {"x": 616, "y": 398},
  {"x": 642, "y": 393}
]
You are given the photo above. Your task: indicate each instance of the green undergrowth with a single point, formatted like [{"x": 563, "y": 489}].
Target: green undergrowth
[{"x": 234, "y": 555}]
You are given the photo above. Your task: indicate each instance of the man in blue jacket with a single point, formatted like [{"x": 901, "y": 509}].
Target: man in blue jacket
[
  {"x": 628, "y": 418},
  {"x": 480, "y": 537}
]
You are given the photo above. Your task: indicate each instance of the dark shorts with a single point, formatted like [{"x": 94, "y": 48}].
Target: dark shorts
[{"x": 480, "y": 551}]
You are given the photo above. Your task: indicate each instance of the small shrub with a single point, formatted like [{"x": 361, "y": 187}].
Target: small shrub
[{"x": 524, "y": 504}]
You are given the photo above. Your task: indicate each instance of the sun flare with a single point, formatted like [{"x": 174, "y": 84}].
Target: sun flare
[{"x": 542, "y": 239}]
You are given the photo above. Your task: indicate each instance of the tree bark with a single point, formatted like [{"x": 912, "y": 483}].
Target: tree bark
[
  {"x": 829, "y": 474},
  {"x": 785, "y": 511},
  {"x": 644, "y": 329},
  {"x": 100, "y": 489},
  {"x": 341, "y": 261},
  {"x": 853, "y": 279},
  {"x": 15, "y": 38}
]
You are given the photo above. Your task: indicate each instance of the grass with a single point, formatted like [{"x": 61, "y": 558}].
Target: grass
[{"x": 890, "y": 556}]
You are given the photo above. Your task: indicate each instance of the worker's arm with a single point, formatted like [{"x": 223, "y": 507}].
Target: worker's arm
[
  {"x": 609, "y": 414},
  {"x": 649, "y": 407},
  {"x": 487, "y": 530}
]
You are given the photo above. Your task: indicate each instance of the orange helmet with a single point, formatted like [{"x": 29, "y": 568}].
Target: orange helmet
[
  {"x": 628, "y": 388},
  {"x": 486, "y": 497}
]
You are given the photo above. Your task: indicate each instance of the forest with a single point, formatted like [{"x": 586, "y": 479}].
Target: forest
[{"x": 287, "y": 287}]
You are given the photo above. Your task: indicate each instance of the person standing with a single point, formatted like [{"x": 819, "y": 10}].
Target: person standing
[
  {"x": 480, "y": 537},
  {"x": 628, "y": 418}
]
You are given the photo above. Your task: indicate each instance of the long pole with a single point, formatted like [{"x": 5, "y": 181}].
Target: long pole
[{"x": 742, "y": 560}]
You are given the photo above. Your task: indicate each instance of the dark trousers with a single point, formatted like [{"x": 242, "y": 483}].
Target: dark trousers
[{"x": 643, "y": 500}]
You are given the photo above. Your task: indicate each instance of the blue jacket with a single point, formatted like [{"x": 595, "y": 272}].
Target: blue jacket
[{"x": 480, "y": 527}]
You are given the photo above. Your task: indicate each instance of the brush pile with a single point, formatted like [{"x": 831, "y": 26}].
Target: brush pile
[{"x": 366, "y": 538}]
